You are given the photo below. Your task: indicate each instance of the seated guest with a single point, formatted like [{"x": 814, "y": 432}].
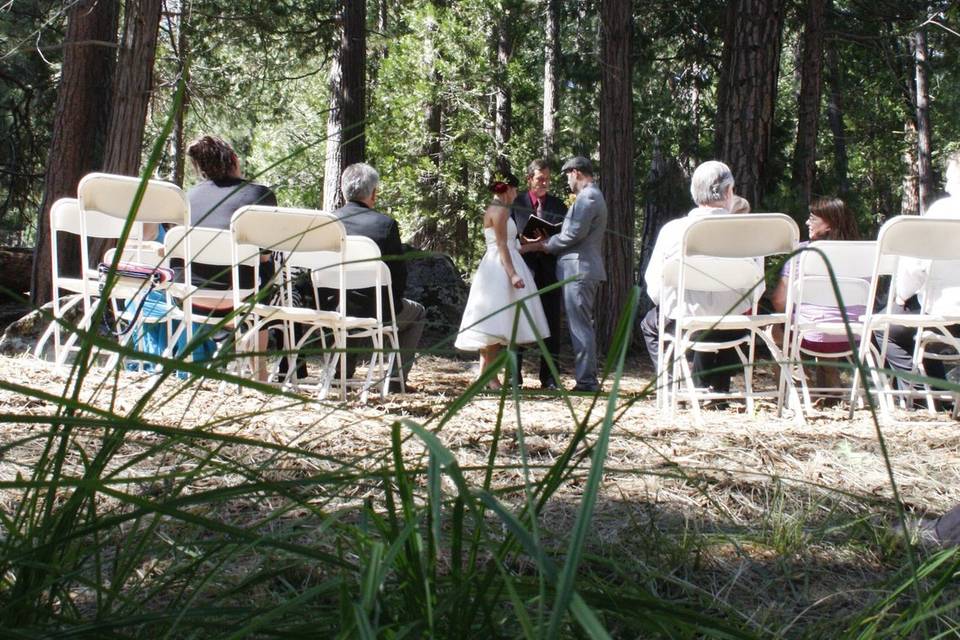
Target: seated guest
[
  {"x": 912, "y": 277},
  {"x": 712, "y": 189},
  {"x": 212, "y": 203},
  {"x": 740, "y": 205},
  {"x": 359, "y": 184},
  {"x": 829, "y": 220}
]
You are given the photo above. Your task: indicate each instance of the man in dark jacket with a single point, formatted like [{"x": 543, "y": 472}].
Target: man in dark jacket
[
  {"x": 537, "y": 201},
  {"x": 359, "y": 184}
]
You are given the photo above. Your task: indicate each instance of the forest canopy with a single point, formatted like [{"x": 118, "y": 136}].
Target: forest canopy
[{"x": 845, "y": 98}]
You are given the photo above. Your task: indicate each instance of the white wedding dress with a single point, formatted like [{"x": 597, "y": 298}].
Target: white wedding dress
[{"x": 492, "y": 292}]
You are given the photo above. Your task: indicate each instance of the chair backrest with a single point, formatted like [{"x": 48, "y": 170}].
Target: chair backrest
[
  {"x": 738, "y": 236},
  {"x": 287, "y": 229},
  {"x": 919, "y": 237},
  {"x": 207, "y": 246},
  {"x": 852, "y": 263},
  {"x": 113, "y": 195},
  {"x": 361, "y": 263},
  {"x": 723, "y": 253},
  {"x": 906, "y": 241},
  {"x": 710, "y": 273},
  {"x": 65, "y": 217}
]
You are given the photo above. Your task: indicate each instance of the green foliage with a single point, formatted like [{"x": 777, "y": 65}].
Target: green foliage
[{"x": 27, "y": 95}]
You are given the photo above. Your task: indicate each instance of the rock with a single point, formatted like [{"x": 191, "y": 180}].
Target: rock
[
  {"x": 21, "y": 335},
  {"x": 434, "y": 282},
  {"x": 15, "y": 267}
]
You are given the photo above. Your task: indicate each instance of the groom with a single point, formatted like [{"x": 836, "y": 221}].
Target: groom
[{"x": 579, "y": 251}]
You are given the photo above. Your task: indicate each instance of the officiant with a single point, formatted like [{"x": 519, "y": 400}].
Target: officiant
[{"x": 538, "y": 201}]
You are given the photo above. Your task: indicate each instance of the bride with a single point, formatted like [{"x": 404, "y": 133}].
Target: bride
[{"x": 502, "y": 280}]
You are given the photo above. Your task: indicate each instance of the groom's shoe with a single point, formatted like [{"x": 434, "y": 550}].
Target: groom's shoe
[{"x": 585, "y": 388}]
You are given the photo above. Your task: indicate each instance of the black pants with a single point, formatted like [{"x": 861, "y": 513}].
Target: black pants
[
  {"x": 705, "y": 364},
  {"x": 544, "y": 269},
  {"x": 899, "y": 356}
]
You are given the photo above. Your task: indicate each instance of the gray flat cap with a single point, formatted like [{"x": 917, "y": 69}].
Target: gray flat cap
[{"x": 579, "y": 163}]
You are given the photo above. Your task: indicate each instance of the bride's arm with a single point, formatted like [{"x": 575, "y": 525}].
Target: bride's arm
[{"x": 499, "y": 215}]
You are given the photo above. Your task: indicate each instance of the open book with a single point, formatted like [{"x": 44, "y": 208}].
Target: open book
[{"x": 536, "y": 225}]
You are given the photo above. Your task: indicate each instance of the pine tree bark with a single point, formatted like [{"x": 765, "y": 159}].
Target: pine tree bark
[
  {"x": 837, "y": 126},
  {"x": 918, "y": 43},
  {"x": 80, "y": 122},
  {"x": 353, "y": 45},
  {"x": 132, "y": 86},
  {"x": 808, "y": 103},
  {"x": 616, "y": 161},
  {"x": 551, "y": 60},
  {"x": 503, "y": 111},
  {"x": 428, "y": 235},
  {"x": 346, "y": 128},
  {"x": 748, "y": 91},
  {"x": 666, "y": 197},
  {"x": 179, "y": 130},
  {"x": 332, "y": 198}
]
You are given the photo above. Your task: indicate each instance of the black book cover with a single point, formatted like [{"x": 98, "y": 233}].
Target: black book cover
[{"x": 536, "y": 224}]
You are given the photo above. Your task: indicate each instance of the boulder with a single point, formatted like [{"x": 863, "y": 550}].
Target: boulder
[
  {"x": 434, "y": 282},
  {"x": 15, "y": 267},
  {"x": 21, "y": 335}
]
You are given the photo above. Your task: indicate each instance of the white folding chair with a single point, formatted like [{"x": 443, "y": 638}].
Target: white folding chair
[
  {"x": 295, "y": 233},
  {"x": 852, "y": 265},
  {"x": 905, "y": 240},
  {"x": 724, "y": 254},
  {"x": 363, "y": 269},
  {"x": 113, "y": 196},
  {"x": 213, "y": 248},
  {"x": 65, "y": 218}
]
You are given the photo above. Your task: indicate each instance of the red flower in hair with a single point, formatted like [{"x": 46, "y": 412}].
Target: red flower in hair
[{"x": 500, "y": 187}]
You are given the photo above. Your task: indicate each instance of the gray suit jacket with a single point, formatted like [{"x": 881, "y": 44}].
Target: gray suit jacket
[{"x": 579, "y": 245}]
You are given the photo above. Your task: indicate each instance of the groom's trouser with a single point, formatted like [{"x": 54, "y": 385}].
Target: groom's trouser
[{"x": 579, "y": 298}]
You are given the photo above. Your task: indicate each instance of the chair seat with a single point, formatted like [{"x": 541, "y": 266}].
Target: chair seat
[
  {"x": 305, "y": 315},
  {"x": 731, "y": 322},
  {"x": 913, "y": 319},
  {"x": 830, "y": 328}
]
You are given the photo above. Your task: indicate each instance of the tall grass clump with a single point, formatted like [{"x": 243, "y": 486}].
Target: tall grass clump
[{"x": 210, "y": 506}]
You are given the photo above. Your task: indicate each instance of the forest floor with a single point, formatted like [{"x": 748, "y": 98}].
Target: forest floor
[{"x": 779, "y": 520}]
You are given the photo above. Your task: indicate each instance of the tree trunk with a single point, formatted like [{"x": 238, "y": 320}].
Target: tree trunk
[
  {"x": 808, "y": 104},
  {"x": 79, "y": 127},
  {"x": 353, "y": 44},
  {"x": 616, "y": 161},
  {"x": 179, "y": 131},
  {"x": 666, "y": 195},
  {"x": 332, "y": 198},
  {"x": 837, "y": 127},
  {"x": 346, "y": 137},
  {"x": 132, "y": 85},
  {"x": 924, "y": 162},
  {"x": 551, "y": 59},
  {"x": 748, "y": 92},
  {"x": 910, "y": 188},
  {"x": 428, "y": 235},
  {"x": 503, "y": 110}
]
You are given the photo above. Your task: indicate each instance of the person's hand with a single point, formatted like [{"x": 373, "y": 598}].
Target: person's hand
[
  {"x": 537, "y": 237},
  {"x": 516, "y": 281},
  {"x": 532, "y": 246}
]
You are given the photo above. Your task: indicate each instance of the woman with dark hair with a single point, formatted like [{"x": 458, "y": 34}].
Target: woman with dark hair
[
  {"x": 213, "y": 202},
  {"x": 224, "y": 189},
  {"x": 829, "y": 220},
  {"x": 502, "y": 279}
]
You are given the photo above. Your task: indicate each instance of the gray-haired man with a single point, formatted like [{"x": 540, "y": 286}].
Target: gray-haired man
[{"x": 359, "y": 184}]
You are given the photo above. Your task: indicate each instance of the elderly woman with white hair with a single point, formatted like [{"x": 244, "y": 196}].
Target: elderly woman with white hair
[{"x": 712, "y": 189}]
